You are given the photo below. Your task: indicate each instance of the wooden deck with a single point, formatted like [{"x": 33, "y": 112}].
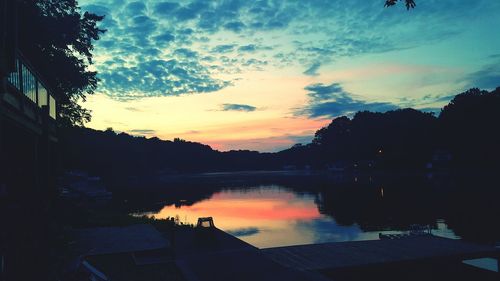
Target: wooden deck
[
  {"x": 220, "y": 256},
  {"x": 364, "y": 253}
]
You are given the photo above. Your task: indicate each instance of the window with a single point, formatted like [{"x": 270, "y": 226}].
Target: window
[
  {"x": 52, "y": 107},
  {"x": 42, "y": 95},
  {"x": 29, "y": 83},
  {"x": 13, "y": 77}
]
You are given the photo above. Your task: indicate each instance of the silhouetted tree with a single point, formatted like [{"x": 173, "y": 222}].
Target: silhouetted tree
[
  {"x": 58, "y": 40},
  {"x": 400, "y": 136},
  {"x": 410, "y": 4},
  {"x": 469, "y": 124},
  {"x": 398, "y": 139}
]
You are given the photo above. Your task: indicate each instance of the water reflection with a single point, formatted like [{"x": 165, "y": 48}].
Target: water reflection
[
  {"x": 276, "y": 209},
  {"x": 272, "y": 215},
  {"x": 264, "y": 216}
]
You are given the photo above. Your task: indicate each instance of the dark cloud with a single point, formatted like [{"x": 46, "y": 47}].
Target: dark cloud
[
  {"x": 486, "y": 78},
  {"x": 184, "y": 52},
  {"x": 165, "y": 8},
  {"x": 313, "y": 70},
  {"x": 257, "y": 64},
  {"x": 252, "y": 48},
  {"x": 237, "y": 107},
  {"x": 97, "y": 9},
  {"x": 435, "y": 99},
  {"x": 235, "y": 26},
  {"x": 157, "y": 78},
  {"x": 328, "y": 101},
  {"x": 164, "y": 37},
  {"x": 303, "y": 139},
  {"x": 248, "y": 48},
  {"x": 191, "y": 11},
  {"x": 140, "y": 29},
  {"x": 142, "y": 131},
  {"x": 222, "y": 49},
  {"x": 135, "y": 8},
  {"x": 140, "y": 33}
]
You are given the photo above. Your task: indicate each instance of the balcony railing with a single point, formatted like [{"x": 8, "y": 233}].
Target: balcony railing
[{"x": 28, "y": 83}]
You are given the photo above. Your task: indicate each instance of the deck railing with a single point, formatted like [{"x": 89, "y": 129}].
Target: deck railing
[{"x": 25, "y": 80}]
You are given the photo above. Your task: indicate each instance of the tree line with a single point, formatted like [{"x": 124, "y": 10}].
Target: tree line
[{"x": 465, "y": 132}]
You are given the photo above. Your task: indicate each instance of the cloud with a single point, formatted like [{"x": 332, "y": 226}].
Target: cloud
[
  {"x": 313, "y": 70},
  {"x": 248, "y": 48},
  {"x": 303, "y": 139},
  {"x": 133, "y": 109},
  {"x": 158, "y": 78},
  {"x": 165, "y": 8},
  {"x": 142, "y": 131},
  {"x": 164, "y": 37},
  {"x": 329, "y": 101},
  {"x": 486, "y": 78},
  {"x": 222, "y": 49},
  {"x": 235, "y": 26},
  {"x": 427, "y": 103},
  {"x": 238, "y": 107},
  {"x": 135, "y": 8},
  {"x": 187, "y": 53},
  {"x": 303, "y": 33}
]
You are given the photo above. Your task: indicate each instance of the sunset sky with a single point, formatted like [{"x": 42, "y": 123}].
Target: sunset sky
[{"x": 264, "y": 75}]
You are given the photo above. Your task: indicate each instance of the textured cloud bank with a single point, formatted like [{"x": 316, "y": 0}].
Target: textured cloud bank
[{"x": 158, "y": 48}]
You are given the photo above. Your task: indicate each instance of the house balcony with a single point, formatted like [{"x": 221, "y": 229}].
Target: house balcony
[{"x": 27, "y": 100}]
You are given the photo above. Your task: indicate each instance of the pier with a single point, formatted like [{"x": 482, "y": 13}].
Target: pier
[
  {"x": 210, "y": 254},
  {"x": 221, "y": 256},
  {"x": 338, "y": 255}
]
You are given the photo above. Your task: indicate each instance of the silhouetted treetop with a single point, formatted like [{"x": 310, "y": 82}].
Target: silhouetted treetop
[
  {"x": 469, "y": 124},
  {"x": 58, "y": 40},
  {"x": 467, "y": 130},
  {"x": 410, "y": 4},
  {"x": 473, "y": 104}
]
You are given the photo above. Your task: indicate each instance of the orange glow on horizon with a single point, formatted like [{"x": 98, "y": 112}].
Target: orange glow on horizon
[{"x": 262, "y": 135}]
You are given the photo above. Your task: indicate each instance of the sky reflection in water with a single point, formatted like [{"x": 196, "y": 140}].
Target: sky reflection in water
[{"x": 272, "y": 216}]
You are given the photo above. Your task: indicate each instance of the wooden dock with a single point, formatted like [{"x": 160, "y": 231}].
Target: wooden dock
[
  {"x": 218, "y": 256},
  {"x": 224, "y": 257},
  {"x": 339, "y": 255}
]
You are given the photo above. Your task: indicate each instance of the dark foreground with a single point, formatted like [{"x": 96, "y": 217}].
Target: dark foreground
[
  {"x": 215, "y": 255},
  {"x": 207, "y": 253}
]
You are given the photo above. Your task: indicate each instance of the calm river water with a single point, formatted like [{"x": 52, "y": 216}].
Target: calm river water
[{"x": 271, "y": 215}]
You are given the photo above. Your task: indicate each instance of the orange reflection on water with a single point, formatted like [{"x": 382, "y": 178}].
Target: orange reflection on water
[{"x": 272, "y": 211}]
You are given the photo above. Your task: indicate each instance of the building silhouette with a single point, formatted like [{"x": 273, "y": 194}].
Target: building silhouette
[{"x": 28, "y": 155}]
